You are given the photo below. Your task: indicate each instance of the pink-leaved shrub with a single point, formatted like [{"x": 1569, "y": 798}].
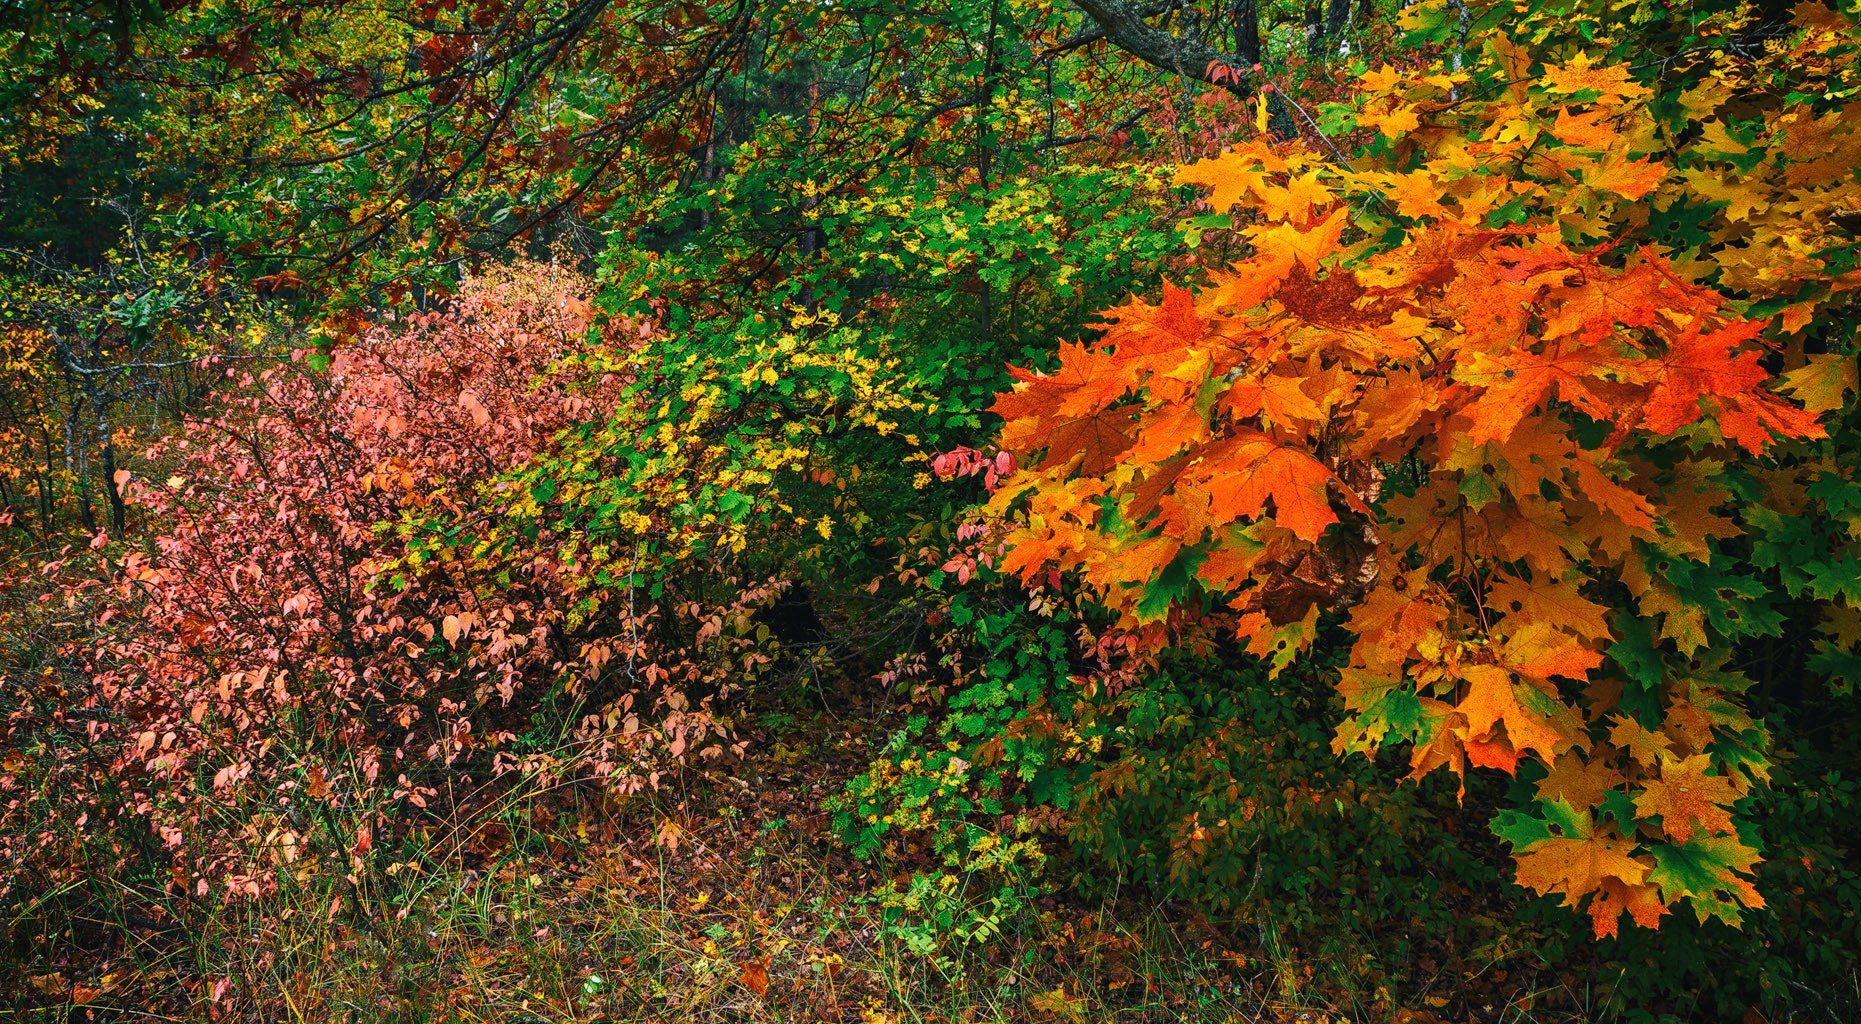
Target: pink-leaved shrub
[{"x": 306, "y": 648}]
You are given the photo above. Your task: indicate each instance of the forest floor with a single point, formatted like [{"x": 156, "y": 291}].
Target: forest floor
[{"x": 719, "y": 897}]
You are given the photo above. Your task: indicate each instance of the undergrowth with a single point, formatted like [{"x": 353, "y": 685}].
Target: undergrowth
[
  {"x": 723, "y": 896},
  {"x": 719, "y": 897}
]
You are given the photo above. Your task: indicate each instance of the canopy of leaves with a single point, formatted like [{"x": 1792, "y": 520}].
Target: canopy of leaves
[{"x": 1497, "y": 414}]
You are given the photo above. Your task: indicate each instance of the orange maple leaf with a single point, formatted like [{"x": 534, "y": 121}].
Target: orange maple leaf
[
  {"x": 1549, "y": 601},
  {"x": 1688, "y": 800},
  {"x": 1698, "y": 364},
  {"x": 1280, "y": 396},
  {"x": 1630, "y": 179},
  {"x": 1295, "y": 200},
  {"x": 1538, "y": 649},
  {"x": 1232, "y": 176},
  {"x": 1588, "y": 129},
  {"x": 1493, "y": 698},
  {"x": 1604, "y": 299},
  {"x": 1578, "y": 782},
  {"x": 1415, "y": 194},
  {"x": 1139, "y": 327},
  {"x": 1580, "y": 73},
  {"x": 1755, "y": 420},
  {"x": 1283, "y": 246},
  {"x": 1580, "y": 864},
  {"x": 1337, "y": 300},
  {"x": 1642, "y": 901},
  {"x": 1250, "y": 470},
  {"x": 1628, "y": 507},
  {"x": 1186, "y": 513},
  {"x": 1516, "y": 382},
  {"x": 1087, "y": 381}
]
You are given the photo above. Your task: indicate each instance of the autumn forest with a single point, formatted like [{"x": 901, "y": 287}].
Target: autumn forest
[{"x": 1048, "y": 511}]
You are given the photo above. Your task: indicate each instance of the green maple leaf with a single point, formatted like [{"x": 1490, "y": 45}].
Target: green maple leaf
[
  {"x": 1702, "y": 870},
  {"x": 1736, "y": 605},
  {"x": 1836, "y": 665},
  {"x": 1783, "y": 543},
  {"x": 1620, "y": 806},
  {"x": 1840, "y": 577},
  {"x": 1520, "y": 828},
  {"x": 1635, "y": 650},
  {"x": 1170, "y": 585},
  {"x": 1402, "y": 712},
  {"x": 1836, "y": 493}
]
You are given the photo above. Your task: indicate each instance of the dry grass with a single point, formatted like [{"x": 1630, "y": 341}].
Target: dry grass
[
  {"x": 712, "y": 902},
  {"x": 721, "y": 898}
]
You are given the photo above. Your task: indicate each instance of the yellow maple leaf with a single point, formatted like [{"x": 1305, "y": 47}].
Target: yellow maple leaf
[
  {"x": 1578, "y": 782},
  {"x": 1232, "y": 175},
  {"x": 1579, "y": 864},
  {"x": 1613, "y": 82},
  {"x": 1395, "y": 121},
  {"x": 1549, "y": 601},
  {"x": 1822, "y": 383},
  {"x": 1630, "y": 179}
]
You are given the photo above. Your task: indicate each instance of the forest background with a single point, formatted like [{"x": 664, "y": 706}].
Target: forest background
[{"x": 996, "y": 510}]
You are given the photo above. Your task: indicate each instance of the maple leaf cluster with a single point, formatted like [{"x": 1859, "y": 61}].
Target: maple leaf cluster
[{"x": 1478, "y": 414}]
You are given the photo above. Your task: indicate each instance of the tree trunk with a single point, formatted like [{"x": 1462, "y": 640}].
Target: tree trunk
[
  {"x": 1337, "y": 19},
  {"x": 1247, "y": 31},
  {"x": 110, "y": 487},
  {"x": 77, "y": 467}
]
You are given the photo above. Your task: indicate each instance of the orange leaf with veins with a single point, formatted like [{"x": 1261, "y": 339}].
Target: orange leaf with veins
[
  {"x": 1688, "y": 800},
  {"x": 1642, "y": 901},
  {"x": 1699, "y": 364},
  {"x": 1255, "y": 470},
  {"x": 1577, "y": 865},
  {"x": 1493, "y": 698},
  {"x": 1516, "y": 382}
]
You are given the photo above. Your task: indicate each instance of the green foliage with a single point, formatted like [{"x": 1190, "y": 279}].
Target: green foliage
[
  {"x": 998, "y": 746},
  {"x": 1220, "y": 786},
  {"x": 1214, "y": 785},
  {"x": 785, "y": 415}
]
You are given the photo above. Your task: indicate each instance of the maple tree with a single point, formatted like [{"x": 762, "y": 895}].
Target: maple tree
[{"x": 1475, "y": 410}]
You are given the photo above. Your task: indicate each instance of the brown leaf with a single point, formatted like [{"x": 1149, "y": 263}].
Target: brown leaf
[{"x": 755, "y": 977}]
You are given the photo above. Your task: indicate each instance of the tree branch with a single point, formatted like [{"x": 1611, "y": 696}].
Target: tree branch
[{"x": 1124, "y": 26}]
